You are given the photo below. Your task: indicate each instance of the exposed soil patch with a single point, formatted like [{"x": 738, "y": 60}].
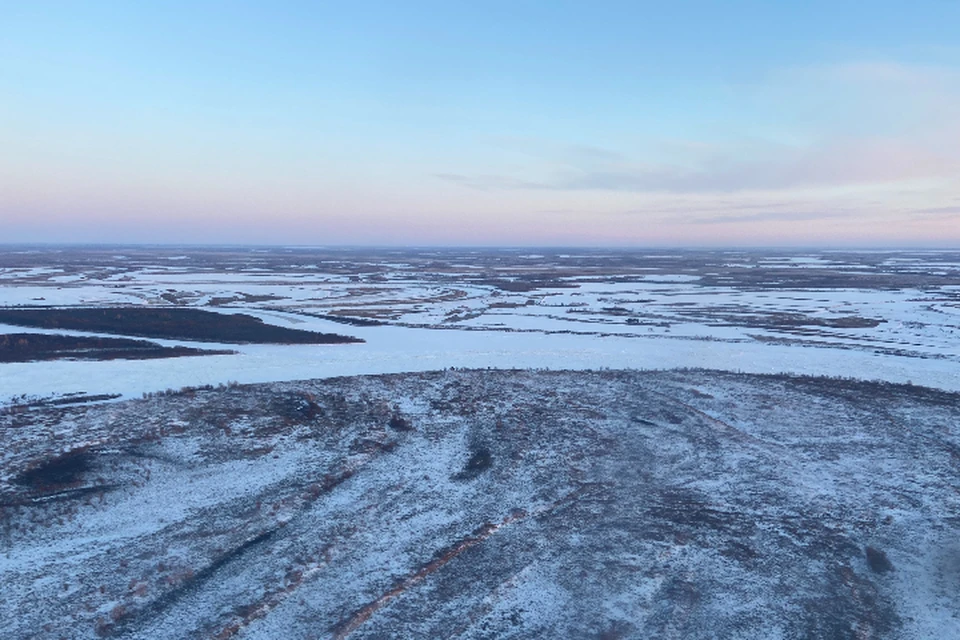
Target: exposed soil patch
[
  {"x": 480, "y": 460},
  {"x": 59, "y": 472},
  {"x": 878, "y": 560}
]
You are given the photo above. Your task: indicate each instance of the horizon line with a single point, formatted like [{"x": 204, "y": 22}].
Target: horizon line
[{"x": 501, "y": 247}]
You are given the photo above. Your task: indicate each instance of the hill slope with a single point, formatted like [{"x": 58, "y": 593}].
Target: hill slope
[{"x": 488, "y": 504}]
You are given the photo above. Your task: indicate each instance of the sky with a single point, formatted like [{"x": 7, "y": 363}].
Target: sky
[{"x": 551, "y": 123}]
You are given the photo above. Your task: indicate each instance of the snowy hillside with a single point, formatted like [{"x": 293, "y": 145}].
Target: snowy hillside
[{"x": 488, "y": 504}]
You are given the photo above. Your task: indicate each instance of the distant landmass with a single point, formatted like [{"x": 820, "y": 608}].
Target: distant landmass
[{"x": 173, "y": 324}]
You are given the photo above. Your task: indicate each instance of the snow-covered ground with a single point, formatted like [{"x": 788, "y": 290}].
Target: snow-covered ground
[
  {"x": 475, "y": 504},
  {"x": 400, "y": 349},
  {"x": 659, "y": 311}
]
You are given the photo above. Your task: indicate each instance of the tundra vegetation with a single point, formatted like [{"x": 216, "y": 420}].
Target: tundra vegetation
[
  {"x": 32, "y": 347},
  {"x": 169, "y": 323}
]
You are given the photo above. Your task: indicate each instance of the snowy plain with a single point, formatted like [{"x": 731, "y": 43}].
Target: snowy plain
[{"x": 471, "y": 309}]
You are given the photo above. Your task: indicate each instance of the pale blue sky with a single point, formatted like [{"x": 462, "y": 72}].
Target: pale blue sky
[{"x": 487, "y": 123}]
